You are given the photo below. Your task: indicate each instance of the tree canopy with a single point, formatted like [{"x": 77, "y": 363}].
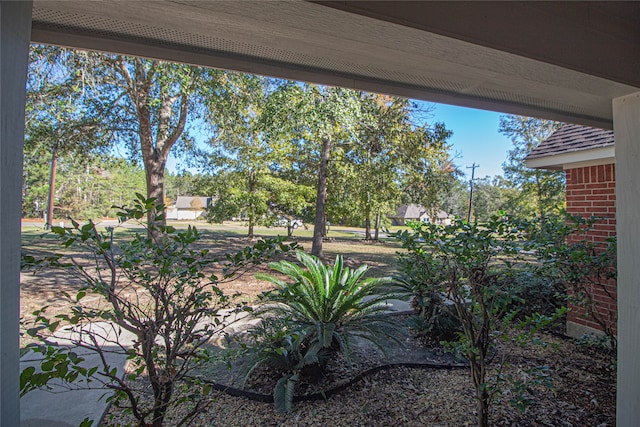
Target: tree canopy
[{"x": 270, "y": 150}]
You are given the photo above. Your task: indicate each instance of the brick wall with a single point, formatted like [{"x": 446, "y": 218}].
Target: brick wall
[{"x": 591, "y": 191}]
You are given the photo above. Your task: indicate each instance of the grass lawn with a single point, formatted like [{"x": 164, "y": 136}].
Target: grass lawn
[{"x": 48, "y": 288}]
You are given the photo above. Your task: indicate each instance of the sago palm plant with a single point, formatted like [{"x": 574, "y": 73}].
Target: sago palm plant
[
  {"x": 324, "y": 309},
  {"x": 331, "y": 305}
]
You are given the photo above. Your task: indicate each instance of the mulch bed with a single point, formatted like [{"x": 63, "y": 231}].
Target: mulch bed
[{"x": 583, "y": 395}]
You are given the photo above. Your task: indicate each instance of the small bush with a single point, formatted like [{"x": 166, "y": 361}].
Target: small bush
[{"x": 421, "y": 277}]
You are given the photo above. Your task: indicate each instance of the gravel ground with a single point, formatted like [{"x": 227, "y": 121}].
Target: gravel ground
[{"x": 584, "y": 395}]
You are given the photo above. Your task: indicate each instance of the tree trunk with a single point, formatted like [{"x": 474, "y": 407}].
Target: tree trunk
[
  {"x": 154, "y": 172},
  {"x": 318, "y": 225},
  {"x": 539, "y": 191},
  {"x": 251, "y": 209},
  {"x": 377, "y": 226},
  {"x": 250, "y": 233},
  {"x": 482, "y": 406},
  {"x": 52, "y": 186},
  {"x": 367, "y": 227}
]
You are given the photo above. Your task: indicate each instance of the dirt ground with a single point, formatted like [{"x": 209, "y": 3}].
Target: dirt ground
[{"x": 582, "y": 392}]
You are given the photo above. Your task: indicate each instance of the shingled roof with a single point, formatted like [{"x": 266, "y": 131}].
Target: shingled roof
[
  {"x": 570, "y": 139},
  {"x": 192, "y": 202},
  {"x": 409, "y": 211}
]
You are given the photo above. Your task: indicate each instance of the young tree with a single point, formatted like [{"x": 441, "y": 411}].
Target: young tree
[
  {"x": 476, "y": 266},
  {"x": 541, "y": 191},
  {"x": 161, "y": 291}
]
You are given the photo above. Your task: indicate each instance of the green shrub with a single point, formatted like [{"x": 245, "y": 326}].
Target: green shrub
[
  {"x": 580, "y": 266},
  {"x": 161, "y": 289},
  {"x": 421, "y": 277},
  {"x": 475, "y": 266}
]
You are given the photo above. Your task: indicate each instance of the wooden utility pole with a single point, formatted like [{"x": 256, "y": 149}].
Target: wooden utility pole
[{"x": 473, "y": 172}]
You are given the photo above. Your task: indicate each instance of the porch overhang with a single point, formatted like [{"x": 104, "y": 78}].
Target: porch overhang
[{"x": 530, "y": 58}]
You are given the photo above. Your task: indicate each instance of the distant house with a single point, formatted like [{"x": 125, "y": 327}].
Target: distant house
[
  {"x": 415, "y": 212},
  {"x": 188, "y": 207},
  {"x": 587, "y": 155}
]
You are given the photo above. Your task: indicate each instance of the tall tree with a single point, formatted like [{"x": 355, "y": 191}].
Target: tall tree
[
  {"x": 385, "y": 126},
  {"x": 314, "y": 119},
  {"x": 541, "y": 191},
  {"x": 60, "y": 120},
  {"x": 246, "y": 158},
  {"x": 147, "y": 105},
  {"x": 430, "y": 172}
]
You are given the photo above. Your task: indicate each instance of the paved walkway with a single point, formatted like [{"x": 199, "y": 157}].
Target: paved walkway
[{"x": 64, "y": 407}]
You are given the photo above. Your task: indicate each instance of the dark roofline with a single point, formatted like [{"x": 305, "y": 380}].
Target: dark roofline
[{"x": 572, "y": 138}]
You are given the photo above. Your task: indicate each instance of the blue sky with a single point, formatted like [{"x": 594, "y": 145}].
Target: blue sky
[{"x": 475, "y": 138}]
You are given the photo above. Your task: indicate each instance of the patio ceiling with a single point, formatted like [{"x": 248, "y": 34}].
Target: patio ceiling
[{"x": 531, "y": 58}]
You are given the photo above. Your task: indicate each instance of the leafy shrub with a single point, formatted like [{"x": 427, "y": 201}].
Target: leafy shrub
[
  {"x": 325, "y": 308},
  {"x": 474, "y": 265},
  {"x": 421, "y": 277},
  {"x": 534, "y": 292},
  {"x": 582, "y": 267},
  {"x": 158, "y": 287}
]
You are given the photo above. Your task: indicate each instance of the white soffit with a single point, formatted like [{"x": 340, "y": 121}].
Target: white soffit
[
  {"x": 575, "y": 159},
  {"x": 311, "y": 42}
]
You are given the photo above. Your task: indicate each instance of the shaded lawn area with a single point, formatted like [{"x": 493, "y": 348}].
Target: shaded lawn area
[{"x": 49, "y": 288}]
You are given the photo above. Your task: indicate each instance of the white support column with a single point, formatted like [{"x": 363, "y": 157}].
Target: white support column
[
  {"x": 626, "y": 125},
  {"x": 15, "y": 33}
]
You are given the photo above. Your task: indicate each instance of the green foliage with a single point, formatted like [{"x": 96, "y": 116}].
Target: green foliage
[
  {"x": 322, "y": 309},
  {"x": 161, "y": 289},
  {"x": 474, "y": 266},
  {"x": 491, "y": 195},
  {"x": 584, "y": 267},
  {"x": 421, "y": 278},
  {"x": 541, "y": 192},
  {"x": 60, "y": 123},
  {"x": 274, "y": 344},
  {"x": 429, "y": 172}
]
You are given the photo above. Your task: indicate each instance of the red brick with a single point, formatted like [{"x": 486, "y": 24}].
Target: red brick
[
  {"x": 573, "y": 198},
  {"x": 577, "y": 203}
]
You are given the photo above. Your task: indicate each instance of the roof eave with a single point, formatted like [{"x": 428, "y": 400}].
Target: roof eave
[{"x": 589, "y": 157}]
